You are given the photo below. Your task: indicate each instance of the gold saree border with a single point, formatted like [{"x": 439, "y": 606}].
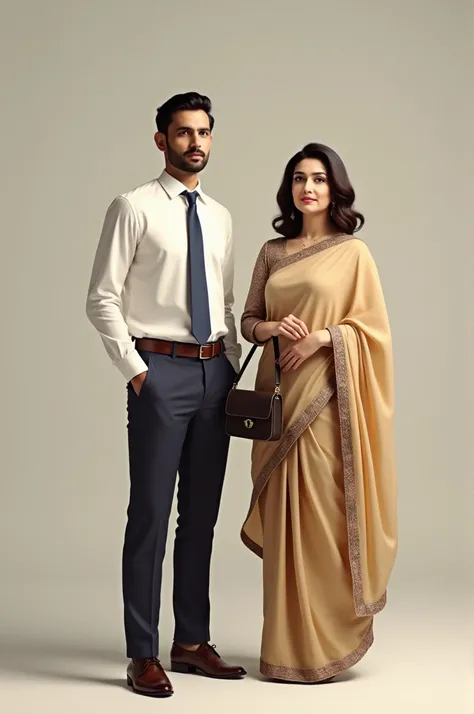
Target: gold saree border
[
  {"x": 309, "y": 251},
  {"x": 289, "y": 438},
  {"x": 290, "y": 674},
  {"x": 362, "y": 608},
  {"x": 254, "y": 547}
]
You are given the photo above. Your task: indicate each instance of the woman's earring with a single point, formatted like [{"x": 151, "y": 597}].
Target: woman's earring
[{"x": 292, "y": 216}]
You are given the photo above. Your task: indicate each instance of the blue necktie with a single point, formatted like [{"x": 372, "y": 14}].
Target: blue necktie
[{"x": 200, "y": 316}]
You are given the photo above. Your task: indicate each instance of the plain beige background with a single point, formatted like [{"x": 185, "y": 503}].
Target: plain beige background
[{"x": 389, "y": 86}]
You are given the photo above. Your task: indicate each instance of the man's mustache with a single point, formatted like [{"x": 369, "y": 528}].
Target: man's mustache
[{"x": 199, "y": 153}]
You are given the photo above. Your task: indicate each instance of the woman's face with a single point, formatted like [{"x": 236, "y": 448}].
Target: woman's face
[{"x": 310, "y": 188}]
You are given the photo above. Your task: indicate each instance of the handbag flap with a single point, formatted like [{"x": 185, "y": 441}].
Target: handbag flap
[{"x": 251, "y": 404}]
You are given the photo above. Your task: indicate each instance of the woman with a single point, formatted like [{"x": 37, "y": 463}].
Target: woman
[{"x": 323, "y": 508}]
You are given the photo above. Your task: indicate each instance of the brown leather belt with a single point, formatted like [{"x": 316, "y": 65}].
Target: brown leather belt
[{"x": 179, "y": 349}]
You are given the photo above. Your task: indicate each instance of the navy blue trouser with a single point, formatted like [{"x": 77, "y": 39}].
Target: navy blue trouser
[{"x": 175, "y": 425}]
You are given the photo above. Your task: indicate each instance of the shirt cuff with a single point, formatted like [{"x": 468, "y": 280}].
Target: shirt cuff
[
  {"x": 131, "y": 365},
  {"x": 234, "y": 360}
]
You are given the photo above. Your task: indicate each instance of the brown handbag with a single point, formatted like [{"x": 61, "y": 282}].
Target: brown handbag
[{"x": 255, "y": 415}]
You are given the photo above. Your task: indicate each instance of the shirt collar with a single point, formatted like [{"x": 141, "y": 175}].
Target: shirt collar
[{"x": 174, "y": 188}]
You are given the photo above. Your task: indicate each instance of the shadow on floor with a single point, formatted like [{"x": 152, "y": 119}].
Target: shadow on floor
[
  {"x": 60, "y": 661},
  {"x": 64, "y": 662}
]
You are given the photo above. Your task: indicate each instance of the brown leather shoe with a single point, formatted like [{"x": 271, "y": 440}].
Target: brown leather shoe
[
  {"x": 205, "y": 660},
  {"x": 147, "y": 676}
]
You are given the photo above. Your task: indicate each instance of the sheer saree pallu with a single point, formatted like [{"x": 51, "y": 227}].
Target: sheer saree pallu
[{"x": 323, "y": 508}]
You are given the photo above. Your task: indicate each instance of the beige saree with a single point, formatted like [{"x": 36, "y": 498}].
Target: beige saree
[{"x": 323, "y": 510}]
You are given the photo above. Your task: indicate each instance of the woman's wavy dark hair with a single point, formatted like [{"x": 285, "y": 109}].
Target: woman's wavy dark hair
[{"x": 289, "y": 223}]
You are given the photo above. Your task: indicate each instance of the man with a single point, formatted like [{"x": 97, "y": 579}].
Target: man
[{"x": 161, "y": 298}]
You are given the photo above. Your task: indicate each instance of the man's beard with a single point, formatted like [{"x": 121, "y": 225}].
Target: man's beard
[{"x": 182, "y": 163}]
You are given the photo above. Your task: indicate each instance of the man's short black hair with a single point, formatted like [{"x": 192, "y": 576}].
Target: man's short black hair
[{"x": 189, "y": 101}]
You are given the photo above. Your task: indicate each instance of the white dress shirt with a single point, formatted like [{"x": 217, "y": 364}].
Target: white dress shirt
[{"x": 139, "y": 281}]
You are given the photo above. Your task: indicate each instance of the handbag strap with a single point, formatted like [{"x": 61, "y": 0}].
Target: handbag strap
[{"x": 276, "y": 349}]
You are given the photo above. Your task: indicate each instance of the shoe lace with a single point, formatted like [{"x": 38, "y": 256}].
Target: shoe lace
[
  {"x": 148, "y": 661},
  {"x": 212, "y": 650}
]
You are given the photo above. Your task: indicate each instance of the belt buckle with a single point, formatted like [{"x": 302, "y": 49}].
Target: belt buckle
[{"x": 201, "y": 353}]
